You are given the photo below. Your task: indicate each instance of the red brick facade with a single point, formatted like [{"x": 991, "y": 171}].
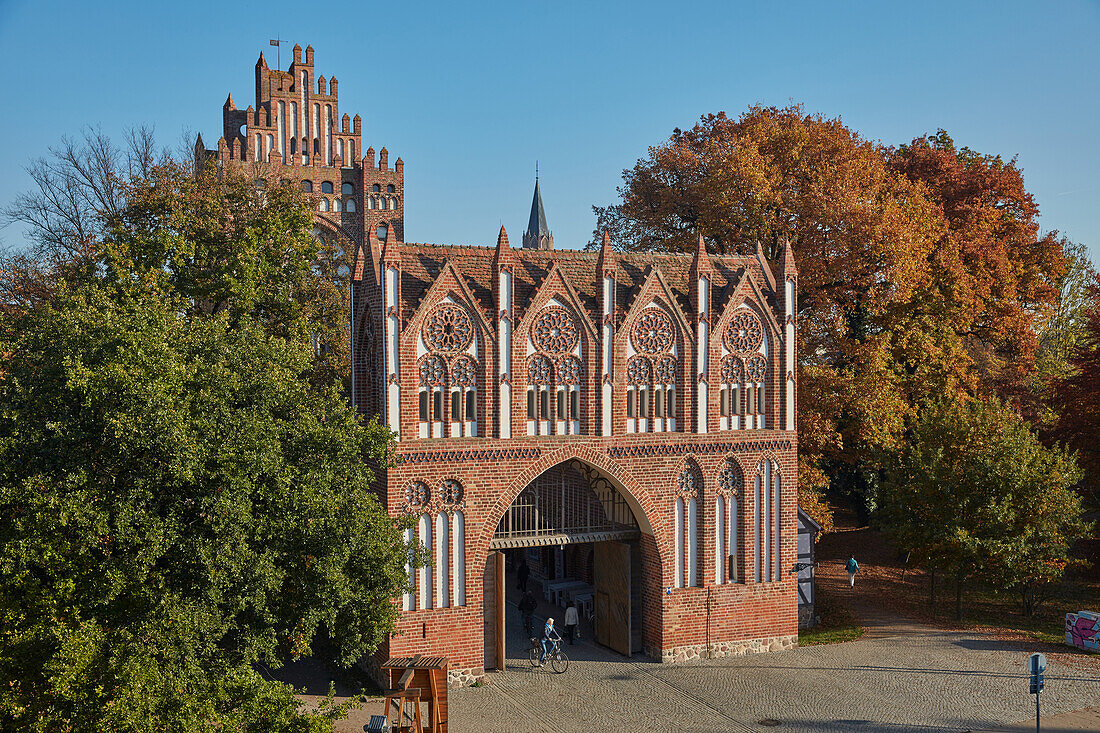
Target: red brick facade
[{"x": 669, "y": 376}]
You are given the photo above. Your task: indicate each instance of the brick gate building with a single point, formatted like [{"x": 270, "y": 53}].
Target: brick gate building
[{"x": 624, "y": 421}]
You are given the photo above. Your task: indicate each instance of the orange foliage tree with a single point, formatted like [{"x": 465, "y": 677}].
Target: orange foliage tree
[{"x": 908, "y": 284}]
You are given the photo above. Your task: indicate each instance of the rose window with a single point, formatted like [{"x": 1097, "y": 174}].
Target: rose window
[
  {"x": 433, "y": 372},
  {"x": 652, "y": 333},
  {"x": 730, "y": 480},
  {"x": 638, "y": 371},
  {"x": 464, "y": 372},
  {"x": 450, "y": 492},
  {"x": 417, "y": 493},
  {"x": 757, "y": 368},
  {"x": 539, "y": 371},
  {"x": 448, "y": 329},
  {"x": 732, "y": 371},
  {"x": 744, "y": 332},
  {"x": 569, "y": 370},
  {"x": 555, "y": 331},
  {"x": 666, "y": 370},
  {"x": 690, "y": 481}
]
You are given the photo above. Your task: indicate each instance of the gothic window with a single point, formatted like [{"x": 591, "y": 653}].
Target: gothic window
[
  {"x": 382, "y": 232},
  {"x": 424, "y": 586},
  {"x": 390, "y": 188},
  {"x": 433, "y": 382},
  {"x": 652, "y": 333},
  {"x": 337, "y": 205},
  {"x": 326, "y": 186},
  {"x": 375, "y": 188},
  {"x": 727, "y": 537},
  {"x": 555, "y": 374},
  {"x": 307, "y": 186},
  {"x": 451, "y": 492},
  {"x": 448, "y": 375},
  {"x": 417, "y": 494},
  {"x": 555, "y": 331},
  {"x": 323, "y": 205},
  {"x": 347, "y": 189},
  {"x": 464, "y": 389},
  {"x": 448, "y": 329},
  {"x": 767, "y": 516},
  {"x": 351, "y": 153},
  {"x": 349, "y": 205},
  {"x": 742, "y": 394},
  {"x": 689, "y": 494},
  {"x": 653, "y": 374},
  {"x": 370, "y": 202}
]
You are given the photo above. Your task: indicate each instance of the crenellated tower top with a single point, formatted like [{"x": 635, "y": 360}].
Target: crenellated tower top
[{"x": 296, "y": 132}]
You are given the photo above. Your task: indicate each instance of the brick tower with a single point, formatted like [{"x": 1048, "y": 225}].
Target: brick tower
[{"x": 295, "y": 132}]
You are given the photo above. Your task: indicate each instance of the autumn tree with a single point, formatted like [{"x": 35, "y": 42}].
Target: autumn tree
[
  {"x": 994, "y": 278},
  {"x": 863, "y": 236},
  {"x": 973, "y": 493},
  {"x": 922, "y": 269}
]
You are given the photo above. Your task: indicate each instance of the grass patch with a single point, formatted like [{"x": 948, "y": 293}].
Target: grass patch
[{"x": 837, "y": 624}]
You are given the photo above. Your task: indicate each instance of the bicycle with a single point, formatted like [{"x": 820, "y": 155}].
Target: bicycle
[{"x": 558, "y": 659}]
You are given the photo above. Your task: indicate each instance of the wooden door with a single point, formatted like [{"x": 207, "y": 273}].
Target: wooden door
[
  {"x": 493, "y": 610},
  {"x": 612, "y": 575}
]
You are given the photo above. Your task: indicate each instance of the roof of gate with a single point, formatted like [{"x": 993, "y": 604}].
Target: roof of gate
[{"x": 422, "y": 263}]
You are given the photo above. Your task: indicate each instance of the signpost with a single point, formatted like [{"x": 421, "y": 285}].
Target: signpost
[{"x": 1036, "y": 665}]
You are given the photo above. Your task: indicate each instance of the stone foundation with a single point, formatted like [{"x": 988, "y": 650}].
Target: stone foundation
[
  {"x": 720, "y": 649},
  {"x": 465, "y": 677}
]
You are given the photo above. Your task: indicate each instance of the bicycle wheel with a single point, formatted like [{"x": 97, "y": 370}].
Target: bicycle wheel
[
  {"x": 559, "y": 661},
  {"x": 534, "y": 653}
]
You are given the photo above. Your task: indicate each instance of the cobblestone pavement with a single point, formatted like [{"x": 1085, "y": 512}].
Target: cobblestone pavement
[{"x": 923, "y": 679}]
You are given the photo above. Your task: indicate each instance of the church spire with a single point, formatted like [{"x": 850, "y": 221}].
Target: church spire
[{"x": 538, "y": 234}]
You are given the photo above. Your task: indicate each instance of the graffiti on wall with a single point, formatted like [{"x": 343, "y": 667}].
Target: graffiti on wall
[{"x": 1083, "y": 630}]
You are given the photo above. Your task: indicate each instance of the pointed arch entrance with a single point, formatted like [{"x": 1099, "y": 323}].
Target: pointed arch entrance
[{"x": 580, "y": 535}]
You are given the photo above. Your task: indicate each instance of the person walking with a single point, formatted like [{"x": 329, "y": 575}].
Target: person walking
[
  {"x": 549, "y": 634},
  {"x": 853, "y": 568},
  {"x": 522, "y": 573},
  {"x": 571, "y": 622},
  {"x": 527, "y": 606}
]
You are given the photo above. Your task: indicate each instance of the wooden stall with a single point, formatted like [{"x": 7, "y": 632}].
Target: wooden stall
[{"x": 429, "y": 674}]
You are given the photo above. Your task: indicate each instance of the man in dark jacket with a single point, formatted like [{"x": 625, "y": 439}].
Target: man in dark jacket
[{"x": 527, "y": 606}]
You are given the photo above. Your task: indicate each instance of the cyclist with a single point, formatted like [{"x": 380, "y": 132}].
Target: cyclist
[{"x": 549, "y": 634}]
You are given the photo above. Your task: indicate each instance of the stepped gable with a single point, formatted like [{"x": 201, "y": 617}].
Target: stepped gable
[{"x": 422, "y": 263}]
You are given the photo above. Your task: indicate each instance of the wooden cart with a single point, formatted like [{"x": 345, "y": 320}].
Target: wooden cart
[{"x": 430, "y": 675}]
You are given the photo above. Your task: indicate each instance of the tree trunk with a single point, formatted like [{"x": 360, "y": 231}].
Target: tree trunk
[{"x": 958, "y": 596}]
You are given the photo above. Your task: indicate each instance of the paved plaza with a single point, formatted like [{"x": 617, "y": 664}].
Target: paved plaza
[{"x": 898, "y": 678}]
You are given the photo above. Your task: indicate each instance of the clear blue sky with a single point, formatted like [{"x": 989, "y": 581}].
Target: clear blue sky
[{"x": 471, "y": 94}]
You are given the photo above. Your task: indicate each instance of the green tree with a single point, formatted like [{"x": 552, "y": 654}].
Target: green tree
[
  {"x": 177, "y": 503},
  {"x": 975, "y": 494},
  {"x": 1077, "y": 398}
]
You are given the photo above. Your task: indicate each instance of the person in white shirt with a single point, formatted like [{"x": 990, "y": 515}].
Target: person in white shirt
[{"x": 571, "y": 621}]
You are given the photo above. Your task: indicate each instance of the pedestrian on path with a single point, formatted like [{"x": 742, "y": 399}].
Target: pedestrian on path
[
  {"x": 522, "y": 573},
  {"x": 571, "y": 622},
  {"x": 853, "y": 568}
]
